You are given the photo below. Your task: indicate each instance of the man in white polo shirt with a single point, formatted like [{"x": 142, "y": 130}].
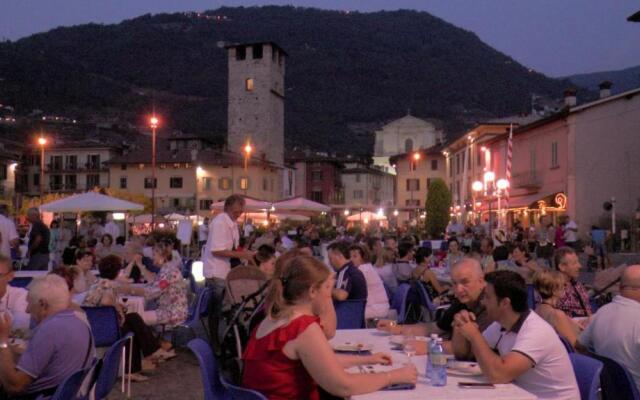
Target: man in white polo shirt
[
  {"x": 223, "y": 240},
  {"x": 519, "y": 346},
  {"x": 614, "y": 331}
]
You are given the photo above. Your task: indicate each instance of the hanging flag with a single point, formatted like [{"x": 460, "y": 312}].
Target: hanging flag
[{"x": 509, "y": 158}]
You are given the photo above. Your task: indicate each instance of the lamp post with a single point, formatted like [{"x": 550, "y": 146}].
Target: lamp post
[
  {"x": 199, "y": 172},
  {"x": 476, "y": 187},
  {"x": 42, "y": 141},
  {"x": 415, "y": 157},
  {"x": 153, "y": 122},
  {"x": 247, "y": 149},
  {"x": 491, "y": 189}
]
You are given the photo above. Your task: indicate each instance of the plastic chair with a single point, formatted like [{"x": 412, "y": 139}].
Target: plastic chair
[
  {"x": 69, "y": 388},
  {"x": 213, "y": 387},
  {"x": 425, "y": 300},
  {"x": 111, "y": 363},
  {"x": 238, "y": 393},
  {"x": 104, "y": 325},
  {"x": 531, "y": 296},
  {"x": 186, "y": 267},
  {"x": 389, "y": 292},
  {"x": 616, "y": 381},
  {"x": 399, "y": 302},
  {"x": 350, "y": 314},
  {"x": 567, "y": 345},
  {"x": 21, "y": 281},
  {"x": 197, "y": 314},
  {"x": 587, "y": 371}
]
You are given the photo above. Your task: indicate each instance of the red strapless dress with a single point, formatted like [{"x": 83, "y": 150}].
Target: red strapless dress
[{"x": 268, "y": 371}]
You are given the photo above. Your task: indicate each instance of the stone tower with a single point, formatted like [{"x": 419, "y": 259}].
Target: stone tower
[{"x": 256, "y": 99}]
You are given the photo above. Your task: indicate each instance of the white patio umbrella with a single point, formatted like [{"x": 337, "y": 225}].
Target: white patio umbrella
[
  {"x": 300, "y": 205},
  {"x": 366, "y": 216},
  {"x": 175, "y": 217},
  {"x": 89, "y": 201},
  {"x": 251, "y": 204}
]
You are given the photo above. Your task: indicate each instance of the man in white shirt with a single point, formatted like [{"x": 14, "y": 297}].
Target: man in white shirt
[
  {"x": 614, "y": 331},
  {"x": 571, "y": 234},
  {"x": 519, "y": 346},
  {"x": 223, "y": 240},
  {"x": 12, "y": 299},
  {"x": 8, "y": 234},
  {"x": 111, "y": 228}
]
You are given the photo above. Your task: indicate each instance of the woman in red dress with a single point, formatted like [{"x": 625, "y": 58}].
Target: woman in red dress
[{"x": 288, "y": 354}]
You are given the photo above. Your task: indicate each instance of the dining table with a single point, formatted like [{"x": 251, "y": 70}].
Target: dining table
[{"x": 379, "y": 341}]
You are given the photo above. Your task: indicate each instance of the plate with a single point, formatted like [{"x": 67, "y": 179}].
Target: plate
[
  {"x": 464, "y": 368},
  {"x": 398, "y": 340},
  {"x": 352, "y": 347}
]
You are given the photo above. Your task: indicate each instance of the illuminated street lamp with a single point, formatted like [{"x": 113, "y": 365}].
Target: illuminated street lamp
[
  {"x": 247, "y": 149},
  {"x": 42, "y": 141},
  {"x": 153, "y": 123},
  {"x": 416, "y": 157}
]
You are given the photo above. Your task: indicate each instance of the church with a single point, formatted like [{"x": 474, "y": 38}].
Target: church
[{"x": 404, "y": 135}]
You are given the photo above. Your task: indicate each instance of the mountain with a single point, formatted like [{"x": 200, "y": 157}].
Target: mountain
[
  {"x": 344, "y": 70},
  {"x": 623, "y": 80}
]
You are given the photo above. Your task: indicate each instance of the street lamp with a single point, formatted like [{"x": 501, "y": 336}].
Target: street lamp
[
  {"x": 42, "y": 141},
  {"x": 491, "y": 189},
  {"x": 153, "y": 123},
  {"x": 416, "y": 157},
  {"x": 199, "y": 172},
  {"x": 247, "y": 149}
]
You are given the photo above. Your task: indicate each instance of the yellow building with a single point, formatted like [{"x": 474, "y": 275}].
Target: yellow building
[{"x": 414, "y": 172}]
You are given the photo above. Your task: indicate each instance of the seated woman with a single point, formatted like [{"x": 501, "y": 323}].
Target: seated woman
[
  {"x": 168, "y": 289},
  {"x": 84, "y": 278},
  {"x": 69, "y": 253},
  {"x": 288, "y": 353},
  {"x": 424, "y": 275},
  {"x": 145, "y": 343},
  {"x": 385, "y": 270},
  {"x": 377, "y": 300},
  {"x": 550, "y": 286},
  {"x": 522, "y": 262},
  {"x": 105, "y": 247}
]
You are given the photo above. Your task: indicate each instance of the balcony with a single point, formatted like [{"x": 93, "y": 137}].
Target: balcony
[{"x": 531, "y": 180}]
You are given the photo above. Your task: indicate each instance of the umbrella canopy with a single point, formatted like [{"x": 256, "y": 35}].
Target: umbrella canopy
[
  {"x": 144, "y": 219},
  {"x": 251, "y": 204},
  {"x": 90, "y": 201},
  {"x": 366, "y": 216},
  {"x": 300, "y": 205},
  {"x": 175, "y": 217}
]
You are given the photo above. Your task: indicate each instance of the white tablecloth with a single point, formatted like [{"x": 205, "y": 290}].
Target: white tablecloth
[{"x": 423, "y": 390}]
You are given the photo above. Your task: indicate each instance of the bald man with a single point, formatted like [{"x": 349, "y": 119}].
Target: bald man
[
  {"x": 614, "y": 331},
  {"x": 468, "y": 283}
]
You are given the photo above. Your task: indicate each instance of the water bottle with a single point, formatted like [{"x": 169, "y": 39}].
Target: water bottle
[
  {"x": 439, "y": 365},
  {"x": 430, "y": 343}
]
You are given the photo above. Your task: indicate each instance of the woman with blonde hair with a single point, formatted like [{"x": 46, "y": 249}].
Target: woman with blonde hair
[
  {"x": 550, "y": 286},
  {"x": 288, "y": 354}
]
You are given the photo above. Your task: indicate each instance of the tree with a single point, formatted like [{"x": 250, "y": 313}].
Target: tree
[{"x": 438, "y": 207}]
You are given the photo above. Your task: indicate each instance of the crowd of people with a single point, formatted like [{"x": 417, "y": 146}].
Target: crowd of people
[{"x": 298, "y": 281}]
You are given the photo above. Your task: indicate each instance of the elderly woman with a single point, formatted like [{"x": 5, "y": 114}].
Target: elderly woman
[
  {"x": 168, "y": 289},
  {"x": 139, "y": 268},
  {"x": 105, "y": 293},
  {"x": 550, "y": 286},
  {"x": 288, "y": 354},
  {"x": 105, "y": 247}
]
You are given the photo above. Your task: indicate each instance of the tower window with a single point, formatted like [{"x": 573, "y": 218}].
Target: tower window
[
  {"x": 257, "y": 51},
  {"x": 241, "y": 53},
  {"x": 408, "y": 145},
  {"x": 248, "y": 84}
]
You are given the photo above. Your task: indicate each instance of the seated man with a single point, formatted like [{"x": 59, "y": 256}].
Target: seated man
[
  {"x": 575, "y": 300},
  {"x": 61, "y": 344},
  {"x": 519, "y": 346},
  {"x": 12, "y": 299},
  {"x": 614, "y": 331},
  {"x": 350, "y": 282},
  {"x": 467, "y": 282}
]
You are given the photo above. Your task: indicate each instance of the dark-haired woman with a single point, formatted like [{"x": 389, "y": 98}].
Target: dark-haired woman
[{"x": 288, "y": 354}]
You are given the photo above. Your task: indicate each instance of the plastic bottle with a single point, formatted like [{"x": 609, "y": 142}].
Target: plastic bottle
[
  {"x": 430, "y": 343},
  {"x": 439, "y": 365}
]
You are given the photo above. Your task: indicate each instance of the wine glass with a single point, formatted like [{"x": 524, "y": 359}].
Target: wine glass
[{"x": 409, "y": 347}]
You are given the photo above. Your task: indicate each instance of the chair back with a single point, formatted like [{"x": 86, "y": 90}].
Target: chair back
[
  {"x": 201, "y": 306},
  {"x": 425, "y": 299},
  {"x": 587, "y": 371},
  {"x": 238, "y": 393},
  {"x": 531, "y": 296},
  {"x": 108, "y": 374},
  {"x": 186, "y": 267},
  {"x": 399, "y": 302},
  {"x": 567, "y": 345},
  {"x": 350, "y": 314},
  {"x": 104, "y": 325},
  {"x": 213, "y": 387},
  {"x": 21, "y": 281},
  {"x": 616, "y": 381},
  {"x": 69, "y": 388}
]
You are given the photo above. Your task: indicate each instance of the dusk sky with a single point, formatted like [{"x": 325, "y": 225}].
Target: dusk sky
[{"x": 556, "y": 37}]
